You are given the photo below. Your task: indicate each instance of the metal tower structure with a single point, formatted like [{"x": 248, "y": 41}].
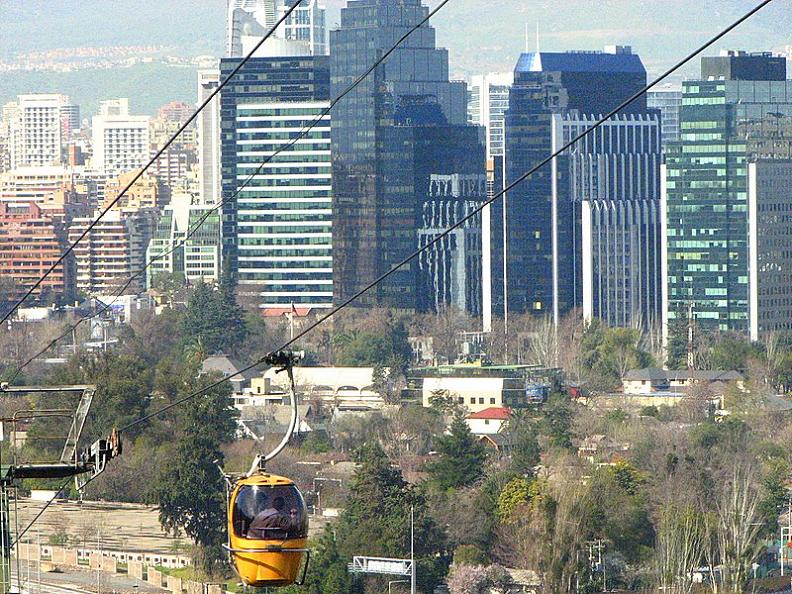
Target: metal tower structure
[{"x": 83, "y": 464}]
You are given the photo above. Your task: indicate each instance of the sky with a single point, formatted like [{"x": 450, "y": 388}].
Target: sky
[{"x": 481, "y": 35}]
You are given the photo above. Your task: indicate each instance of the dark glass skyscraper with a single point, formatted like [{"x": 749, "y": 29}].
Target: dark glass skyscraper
[
  {"x": 382, "y": 162},
  {"x": 556, "y": 96}
]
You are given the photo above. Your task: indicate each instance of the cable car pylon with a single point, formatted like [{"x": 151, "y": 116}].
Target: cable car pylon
[
  {"x": 79, "y": 463},
  {"x": 267, "y": 515}
]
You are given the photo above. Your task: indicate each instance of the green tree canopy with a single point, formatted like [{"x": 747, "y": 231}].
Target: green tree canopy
[
  {"x": 376, "y": 519},
  {"x": 214, "y": 320},
  {"x": 190, "y": 489},
  {"x": 460, "y": 457}
]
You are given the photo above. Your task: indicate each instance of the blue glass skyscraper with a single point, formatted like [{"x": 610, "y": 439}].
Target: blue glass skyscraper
[{"x": 555, "y": 97}]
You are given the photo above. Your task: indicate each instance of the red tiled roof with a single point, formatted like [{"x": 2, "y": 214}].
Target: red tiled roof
[{"x": 500, "y": 413}]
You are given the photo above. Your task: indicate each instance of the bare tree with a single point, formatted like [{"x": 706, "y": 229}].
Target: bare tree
[
  {"x": 446, "y": 328},
  {"x": 732, "y": 543},
  {"x": 680, "y": 539},
  {"x": 543, "y": 343}
]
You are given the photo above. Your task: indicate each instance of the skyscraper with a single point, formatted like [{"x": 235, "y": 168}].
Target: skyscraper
[
  {"x": 769, "y": 256},
  {"x": 120, "y": 140},
  {"x": 198, "y": 257},
  {"x": 277, "y": 233},
  {"x": 209, "y": 138},
  {"x": 250, "y": 20},
  {"x": 305, "y": 25},
  {"x": 379, "y": 183},
  {"x": 725, "y": 124},
  {"x": 668, "y": 100},
  {"x": 488, "y": 100},
  {"x": 555, "y": 97}
]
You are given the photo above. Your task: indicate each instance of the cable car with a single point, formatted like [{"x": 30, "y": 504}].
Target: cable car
[
  {"x": 268, "y": 530},
  {"x": 267, "y": 517}
]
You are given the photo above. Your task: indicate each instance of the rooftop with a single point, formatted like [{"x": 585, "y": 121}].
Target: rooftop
[
  {"x": 656, "y": 374},
  {"x": 497, "y": 413},
  {"x": 580, "y": 62}
]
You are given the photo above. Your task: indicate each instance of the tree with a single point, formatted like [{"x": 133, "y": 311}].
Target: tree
[
  {"x": 521, "y": 432},
  {"x": 556, "y": 421},
  {"x": 517, "y": 493},
  {"x": 471, "y": 579},
  {"x": 460, "y": 457},
  {"x": 168, "y": 282},
  {"x": 327, "y": 573},
  {"x": 446, "y": 328},
  {"x": 214, "y": 318},
  {"x": 731, "y": 352},
  {"x": 232, "y": 315},
  {"x": 679, "y": 547},
  {"x": 677, "y": 349},
  {"x": 619, "y": 352},
  {"x": 191, "y": 490},
  {"x": 733, "y": 534},
  {"x": 376, "y": 518}
]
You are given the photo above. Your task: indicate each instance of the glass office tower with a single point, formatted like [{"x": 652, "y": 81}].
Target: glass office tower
[
  {"x": 725, "y": 123},
  {"x": 377, "y": 203},
  {"x": 277, "y": 233}
]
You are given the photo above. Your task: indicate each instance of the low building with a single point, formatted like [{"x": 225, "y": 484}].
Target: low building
[
  {"x": 338, "y": 386},
  {"x": 652, "y": 380},
  {"x": 478, "y": 386},
  {"x": 600, "y": 448},
  {"x": 489, "y": 421},
  {"x": 225, "y": 366}
]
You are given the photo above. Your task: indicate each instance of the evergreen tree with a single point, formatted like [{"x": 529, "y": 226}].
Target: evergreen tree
[
  {"x": 521, "y": 432},
  {"x": 232, "y": 315},
  {"x": 376, "y": 519},
  {"x": 190, "y": 489},
  {"x": 461, "y": 457},
  {"x": 214, "y": 319}
]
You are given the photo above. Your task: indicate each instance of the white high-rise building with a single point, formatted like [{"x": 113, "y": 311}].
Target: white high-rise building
[
  {"x": 246, "y": 18},
  {"x": 303, "y": 33},
  {"x": 36, "y": 129},
  {"x": 488, "y": 100},
  {"x": 209, "y": 138},
  {"x": 120, "y": 141},
  {"x": 305, "y": 25}
]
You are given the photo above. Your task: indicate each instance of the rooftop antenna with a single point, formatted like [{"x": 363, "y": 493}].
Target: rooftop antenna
[
  {"x": 526, "y": 38},
  {"x": 537, "y": 37}
]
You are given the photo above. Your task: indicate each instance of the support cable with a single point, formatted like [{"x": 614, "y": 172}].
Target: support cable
[
  {"x": 317, "y": 120},
  {"x": 153, "y": 160},
  {"x": 466, "y": 218}
]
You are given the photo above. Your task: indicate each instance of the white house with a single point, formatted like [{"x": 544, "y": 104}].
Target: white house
[{"x": 488, "y": 421}]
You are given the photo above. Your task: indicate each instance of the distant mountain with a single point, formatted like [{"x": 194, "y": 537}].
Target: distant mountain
[{"x": 481, "y": 36}]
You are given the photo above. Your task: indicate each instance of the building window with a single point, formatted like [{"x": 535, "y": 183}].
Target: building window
[{"x": 492, "y": 401}]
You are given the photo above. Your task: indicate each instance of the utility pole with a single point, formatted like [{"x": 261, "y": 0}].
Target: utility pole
[
  {"x": 690, "y": 354},
  {"x": 412, "y": 549}
]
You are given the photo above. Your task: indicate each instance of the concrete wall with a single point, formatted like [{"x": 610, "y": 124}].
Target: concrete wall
[{"x": 111, "y": 562}]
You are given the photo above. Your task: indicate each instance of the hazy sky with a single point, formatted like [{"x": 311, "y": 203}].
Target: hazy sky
[{"x": 480, "y": 34}]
